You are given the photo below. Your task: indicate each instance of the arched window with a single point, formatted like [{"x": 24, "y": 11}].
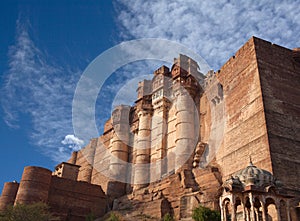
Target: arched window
[
  {"x": 239, "y": 209},
  {"x": 283, "y": 210},
  {"x": 271, "y": 210},
  {"x": 227, "y": 209}
]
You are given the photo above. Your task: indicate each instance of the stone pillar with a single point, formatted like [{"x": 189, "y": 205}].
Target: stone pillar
[
  {"x": 134, "y": 148},
  {"x": 252, "y": 206},
  {"x": 119, "y": 152},
  {"x": 277, "y": 204},
  {"x": 264, "y": 212},
  {"x": 233, "y": 215},
  {"x": 185, "y": 133},
  {"x": 257, "y": 214},
  {"x": 244, "y": 209},
  {"x": 222, "y": 209},
  {"x": 248, "y": 215},
  {"x": 288, "y": 210},
  {"x": 142, "y": 160}
]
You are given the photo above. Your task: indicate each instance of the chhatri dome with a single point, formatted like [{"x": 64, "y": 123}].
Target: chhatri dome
[
  {"x": 252, "y": 175},
  {"x": 248, "y": 194}
]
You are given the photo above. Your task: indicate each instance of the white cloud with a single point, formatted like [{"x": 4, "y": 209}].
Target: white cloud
[
  {"x": 40, "y": 91},
  {"x": 214, "y": 29},
  {"x": 73, "y": 142},
  {"x": 43, "y": 90}
]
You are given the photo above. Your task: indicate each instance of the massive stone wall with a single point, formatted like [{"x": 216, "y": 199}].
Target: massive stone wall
[
  {"x": 240, "y": 97},
  {"x": 72, "y": 200},
  {"x": 249, "y": 108},
  {"x": 245, "y": 128},
  {"x": 68, "y": 198},
  {"x": 279, "y": 75}
]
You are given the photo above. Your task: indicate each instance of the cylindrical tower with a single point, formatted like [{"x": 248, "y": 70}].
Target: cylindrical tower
[
  {"x": 9, "y": 193},
  {"x": 89, "y": 154},
  {"x": 119, "y": 151},
  {"x": 186, "y": 91},
  {"x": 34, "y": 185},
  {"x": 142, "y": 160},
  {"x": 185, "y": 132},
  {"x": 142, "y": 146}
]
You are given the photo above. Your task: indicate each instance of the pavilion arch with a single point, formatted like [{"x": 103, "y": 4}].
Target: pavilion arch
[
  {"x": 253, "y": 194},
  {"x": 247, "y": 208},
  {"x": 239, "y": 207},
  {"x": 227, "y": 209},
  {"x": 271, "y": 209},
  {"x": 258, "y": 207},
  {"x": 283, "y": 210}
]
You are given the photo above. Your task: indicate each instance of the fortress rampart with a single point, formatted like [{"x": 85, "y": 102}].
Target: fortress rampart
[{"x": 185, "y": 137}]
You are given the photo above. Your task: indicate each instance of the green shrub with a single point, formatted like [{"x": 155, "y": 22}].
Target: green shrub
[
  {"x": 27, "y": 212},
  {"x": 113, "y": 217},
  {"x": 167, "y": 217},
  {"x": 90, "y": 217},
  {"x": 202, "y": 213}
]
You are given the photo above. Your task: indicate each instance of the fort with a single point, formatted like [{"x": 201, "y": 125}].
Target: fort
[{"x": 228, "y": 140}]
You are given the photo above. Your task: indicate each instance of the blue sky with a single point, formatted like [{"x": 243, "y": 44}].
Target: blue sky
[{"x": 46, "y": 45}]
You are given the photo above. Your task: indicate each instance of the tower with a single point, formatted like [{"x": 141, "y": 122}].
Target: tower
[
  {"x": 119, "y": 151},
  {"x": 161, "y": 102},
  {"x": 143, "y": 142},
  {"x": 186, "y": 92}
]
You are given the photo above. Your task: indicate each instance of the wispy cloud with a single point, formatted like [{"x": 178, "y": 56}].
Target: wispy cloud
[
  {"x": 214, "y": 29},
  {"x": 37, "y": 88},
  {"x": 41, "y": 91}
]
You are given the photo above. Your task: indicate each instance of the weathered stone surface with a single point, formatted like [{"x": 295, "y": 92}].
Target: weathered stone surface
[
  {"x": 280, "y": 79},
  {"x": 74, "y": 200},
  {"x": 8, "y": 195},
  {"x": 254, "y": 97},
  {"x": 67, "y": 171},
  {"x": 68, "y": 198},
  {"x": 250, "y": 107}
]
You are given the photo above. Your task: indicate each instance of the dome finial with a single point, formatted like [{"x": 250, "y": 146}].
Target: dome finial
[{"x": 250, "y": 161}]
